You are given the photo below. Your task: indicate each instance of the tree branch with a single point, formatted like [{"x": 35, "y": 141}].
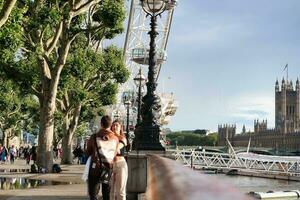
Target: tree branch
[
  {"x": 45, "y": 67},
  {"x": 61, "y": 104},
  {"x": 6, "y": 10},
  {"x": 91, "y": 81},
  {"x": 81, "y": 7},
  {"x": 35, "y": 91},
  {"x": 66, "y": 99},
  {"x": 51, "y": 43},
  {"x": 13, "y": 112}
]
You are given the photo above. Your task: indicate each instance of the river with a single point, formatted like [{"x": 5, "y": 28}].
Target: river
[{"x": 246, "y": 184}]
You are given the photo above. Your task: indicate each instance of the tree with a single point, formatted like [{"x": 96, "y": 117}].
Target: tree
[
  {"x": 191, "y": 139},
  {"x": 18, "y": 111},
  {"x": 48, "y": 31},
  {"x": 10, "y": 106},
  {"x": 90, "y": 80}
]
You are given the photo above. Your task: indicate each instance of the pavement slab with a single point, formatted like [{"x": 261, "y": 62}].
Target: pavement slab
[{"x": 77, "y": 190}]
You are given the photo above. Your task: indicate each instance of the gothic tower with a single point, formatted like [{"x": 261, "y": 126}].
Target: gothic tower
[
  {"x": 297, "y": 105},
  {"x": 226, "y": 131},
  {"x": 260, "y": 126},
  {"x": 287, "y": 107}
]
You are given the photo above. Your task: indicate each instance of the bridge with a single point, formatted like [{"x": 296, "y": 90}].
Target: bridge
[
  {"x": 224, "y": 149},
  {"x": 280, "y": 165}
]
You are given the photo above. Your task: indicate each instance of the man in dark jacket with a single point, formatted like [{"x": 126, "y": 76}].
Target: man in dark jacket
[{"x": 106, "y": 143}]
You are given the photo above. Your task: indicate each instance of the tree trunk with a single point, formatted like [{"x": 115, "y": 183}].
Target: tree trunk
[
  {"x": 45, "y": 140},
  {"x": 69, "y": 130},
  {"x": 5, "y": 138},
  {"x": 50, "y": 80},
  {"x": 55, "y": 140},
  {"x": 47, "y": 109},
  {"x": 67, "y": 148}
]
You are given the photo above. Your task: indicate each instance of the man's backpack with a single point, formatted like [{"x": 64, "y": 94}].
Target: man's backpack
[
  {"x": 34, "y": 168},
  {"x": 56, "y": 168}
]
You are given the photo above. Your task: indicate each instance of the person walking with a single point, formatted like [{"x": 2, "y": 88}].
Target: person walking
[
  {"x": 12, "y": 153},
  {"x": 33, "y": 154},
  {"x": 78, "y": 153},
  {"x": 120, "y": 169},
  {"x": 102, "y": 147},
  {"x": 4, "y": 154},
  {"x": 27, "y": 155}
]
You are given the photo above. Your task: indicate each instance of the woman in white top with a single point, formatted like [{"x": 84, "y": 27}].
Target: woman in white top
[{"x": 120, "y": 169}]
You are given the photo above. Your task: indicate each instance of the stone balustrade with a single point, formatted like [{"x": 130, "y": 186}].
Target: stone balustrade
[{"x": 169, "y": 180}]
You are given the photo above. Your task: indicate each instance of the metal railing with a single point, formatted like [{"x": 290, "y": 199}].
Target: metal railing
[{"x": 251, "y": 162}]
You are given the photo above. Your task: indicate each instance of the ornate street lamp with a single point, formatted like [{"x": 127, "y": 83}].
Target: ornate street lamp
[
  {"x": 147, "y": 133},
  {"x": 127, "y": 98},
  {"x": 139, "y": 81},
  {"x": 117, "y": 115}
]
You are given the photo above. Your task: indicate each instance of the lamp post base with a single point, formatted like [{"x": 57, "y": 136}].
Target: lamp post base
[{"x": 147, "y": 138}]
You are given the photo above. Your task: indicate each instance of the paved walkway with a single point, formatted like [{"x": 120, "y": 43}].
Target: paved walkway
[{"x": 70, "y": 173}]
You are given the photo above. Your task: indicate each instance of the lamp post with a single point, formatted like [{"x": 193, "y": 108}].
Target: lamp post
[
  {"x": 117, "y": 115},
  {"x": 127, "y": 104},
  {"x": 147, "y": 133},
  {"x": 127, "y": 98},
  {"x": 139, "y": 81}
]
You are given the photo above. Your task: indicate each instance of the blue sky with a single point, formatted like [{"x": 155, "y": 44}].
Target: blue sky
[{"x": 224, "y": 58}]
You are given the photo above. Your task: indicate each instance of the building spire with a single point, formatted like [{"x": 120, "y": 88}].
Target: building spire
[
  {"x": 283, "y": 85},
  {"x": 286, "y": 68},
  {"x": 244, "y": 129}
]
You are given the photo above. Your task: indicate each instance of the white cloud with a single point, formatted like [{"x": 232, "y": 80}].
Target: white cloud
[{"x": 255, "y": 106}]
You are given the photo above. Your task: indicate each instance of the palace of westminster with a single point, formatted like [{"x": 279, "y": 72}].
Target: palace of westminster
[{"x": 285, "y": 136}]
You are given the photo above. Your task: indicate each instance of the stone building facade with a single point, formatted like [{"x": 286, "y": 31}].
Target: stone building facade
[{"x": 285, "y": 135}]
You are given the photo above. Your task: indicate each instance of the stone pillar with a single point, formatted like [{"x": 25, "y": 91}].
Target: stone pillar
[{"x": 137, "y": 162}]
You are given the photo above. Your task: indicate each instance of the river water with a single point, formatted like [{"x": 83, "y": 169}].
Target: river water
[{"x": 246, "y": 184}]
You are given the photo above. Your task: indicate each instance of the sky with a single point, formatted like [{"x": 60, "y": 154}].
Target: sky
[{"x": 224, "y": 58}]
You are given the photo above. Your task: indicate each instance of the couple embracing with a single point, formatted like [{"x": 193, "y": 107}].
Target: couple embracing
[{"x": 108, "y": 166}]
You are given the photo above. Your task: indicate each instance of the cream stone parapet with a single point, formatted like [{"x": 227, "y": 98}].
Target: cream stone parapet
[
  {"x": 161, "y": 178},
  {"x": 169, "y": 180}
]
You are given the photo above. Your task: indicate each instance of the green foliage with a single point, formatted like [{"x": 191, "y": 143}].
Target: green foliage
[
  {"x": 18, "y": 111},
  {"x": 82, "y": 129},
  {"x": 11, "y": 36},
  {"x": 91, "y": 79},
  {"x": 88, "y": 77},
  {"x": 30, "y": 114},
  {"x": 191, "y": 139},
  {"x": 9, "y": 104},
  {"x": 111, "y": 15},
  {"x": 58, "y": 127}
]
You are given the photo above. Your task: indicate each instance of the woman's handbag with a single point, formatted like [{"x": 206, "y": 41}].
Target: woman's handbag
[{"x": 104, "y": 172}]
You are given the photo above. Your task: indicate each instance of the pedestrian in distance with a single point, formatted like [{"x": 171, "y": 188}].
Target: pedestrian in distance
[
  {"x": 33, "y": 154},
  {"x": 13, "y": 154},
  {"x": 120, "y": 169},
  {"x": 4, "y": 154},
  {"x": 27, "y": 155},
  {"x": 78, "y": 153},
  {"x": 102, "y": 148}
]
